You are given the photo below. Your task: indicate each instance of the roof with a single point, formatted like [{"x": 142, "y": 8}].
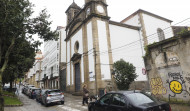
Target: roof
[
  {"x": 146, "y": 12},
  {"x": 73, "y": 5},
  {"x": 59, "y": 27},
  {"x": 124, "y": 25}
]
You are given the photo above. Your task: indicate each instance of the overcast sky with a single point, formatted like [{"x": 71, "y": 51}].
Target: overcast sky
[{"x": 175, "y": 10}]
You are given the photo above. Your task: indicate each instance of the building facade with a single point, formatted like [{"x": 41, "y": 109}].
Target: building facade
[
  {"x": 91, "y": 43},
  {"x": 33, "y": 75},
  {"x": 53, "y": 60}
]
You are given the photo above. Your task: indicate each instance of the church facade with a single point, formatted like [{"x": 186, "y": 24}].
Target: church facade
[
  {"x": 90, "y": 40},
  {"x": 94, "y": 43}
]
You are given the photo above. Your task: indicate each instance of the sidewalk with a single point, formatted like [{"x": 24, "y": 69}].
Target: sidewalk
[{"x": 178, "y": 107}]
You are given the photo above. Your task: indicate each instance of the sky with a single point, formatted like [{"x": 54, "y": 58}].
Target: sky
[{"x": 175, "y": 10}]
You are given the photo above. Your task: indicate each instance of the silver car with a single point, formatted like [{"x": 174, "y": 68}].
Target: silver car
[{"x": 52, "y": 96}]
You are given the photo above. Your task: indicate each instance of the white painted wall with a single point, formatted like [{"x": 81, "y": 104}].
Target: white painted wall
[
  {"x": 37, "y": 76},
  {"x": 90, "y": 53},
  {"x": 68, "y": 63},
  {"x": 74, "y": 39},
  {"x": 131, "y": 50},
  {"x": 63, "y": 44},
  {"x": 151, "y": 26},
  {"x": 133, "y": 21},
  {"x": 103, "y": 46}
]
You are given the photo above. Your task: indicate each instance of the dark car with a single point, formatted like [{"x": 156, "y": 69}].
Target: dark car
[
  {"x": 33, "y": 91},
  {"x": 26, "y": 88},
  {"x": 128, "y": 101},
  {"x": 52, "y": 96}
]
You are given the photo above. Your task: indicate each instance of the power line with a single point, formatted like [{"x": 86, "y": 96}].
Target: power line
[
  {"x": 134, "y": 43},
  {"x": 149, "y": 38}
]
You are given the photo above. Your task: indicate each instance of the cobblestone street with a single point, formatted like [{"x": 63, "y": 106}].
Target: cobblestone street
[{"x": 72, "y": 103}]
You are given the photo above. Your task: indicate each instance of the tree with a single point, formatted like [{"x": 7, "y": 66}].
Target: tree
[
  {"x": 21, "y": 60},
  {"x": 124, "y": 74},
  {"x": 16, "y": 23}
]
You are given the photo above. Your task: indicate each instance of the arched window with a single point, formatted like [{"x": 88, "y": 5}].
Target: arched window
[{"x": 161, "y": 35}]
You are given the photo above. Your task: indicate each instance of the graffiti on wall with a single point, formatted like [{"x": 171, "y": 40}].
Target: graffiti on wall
[
  {"x": 175, "y": 87},
  {"x": 187, "y": 76},
  {"x": 187, "y": 79},
  {"x": 175, "y": 82},
  {"x": 157, "y": 87}
]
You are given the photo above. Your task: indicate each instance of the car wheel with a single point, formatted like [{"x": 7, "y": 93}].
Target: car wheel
[
  {"x": 46, "y": 104},
  {"x": 62, "y": 102},
  {"x": 92, "y": 109}
]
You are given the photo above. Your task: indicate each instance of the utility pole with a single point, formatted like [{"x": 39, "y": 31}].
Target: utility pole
[{"x": 95, "y": 71}]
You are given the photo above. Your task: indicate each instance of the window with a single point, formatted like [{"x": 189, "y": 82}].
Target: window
[
  {"x": 161, "y": 35},
  {"x": 51, "y": 70},
  {"x": 105, "y": 99},
  {"x": 57, "y": 57},
  {"x": 118, "y": 100},
  {"x": 139, "y": 98},
  {"x": 76, "y": 47},
  {"x": 57, "y": 45}
]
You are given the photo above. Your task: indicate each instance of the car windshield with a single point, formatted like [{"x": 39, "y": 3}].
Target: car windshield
[
  {"x": 37, "y": 90},
  {"x": 139, "y": 98},
  {"x": 54, "y": 91}
]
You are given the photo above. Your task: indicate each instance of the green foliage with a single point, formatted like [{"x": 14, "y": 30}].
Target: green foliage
[
  {"x": 6, "y": 93},
  {"x": 11, "y": 100},
  {"x": 17, "y": 28},
  {"x": 184, "y": 32},
  {"x": 147, "y": 52},
  {"x": 124, "y": 74},
  {"x": 21, "y": 60}
]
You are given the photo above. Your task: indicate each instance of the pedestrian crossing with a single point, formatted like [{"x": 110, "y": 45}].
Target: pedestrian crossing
[{"x": 77, "y": 108}]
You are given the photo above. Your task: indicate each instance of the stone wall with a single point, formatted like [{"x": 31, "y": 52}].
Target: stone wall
[
  {"x": 139, "y": 85},
  {"x": 168, "y": 68}
]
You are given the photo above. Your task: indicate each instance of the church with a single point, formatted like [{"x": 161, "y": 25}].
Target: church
[{"x": 94, "y": 43}]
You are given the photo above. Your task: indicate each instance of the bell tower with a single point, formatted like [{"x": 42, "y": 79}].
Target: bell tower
[
  {"x": 97, "y": 20},
  {"x": 72, "y": 11},
  {"x": 96, "y": 8}
]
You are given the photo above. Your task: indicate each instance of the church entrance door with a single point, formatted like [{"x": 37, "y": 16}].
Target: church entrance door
[{"x": 77, "y": 77}]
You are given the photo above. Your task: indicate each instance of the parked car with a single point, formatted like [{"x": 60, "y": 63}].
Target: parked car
[
  {"x": 33, "y": 91},
  {"x": 128, "y": 101},
  {"x": 26, "y": 90},
  {"x": 6, "y": 88},
  {"x": 39, "y": 95},
  {"x": 52, "y": 96},
  {"x": 23, "y": 89}
]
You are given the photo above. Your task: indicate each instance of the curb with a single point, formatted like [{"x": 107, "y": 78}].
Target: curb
[{"x": 18, "y": 105}]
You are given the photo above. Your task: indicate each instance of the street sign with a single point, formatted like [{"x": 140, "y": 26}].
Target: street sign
[{"x": 143, "y": 71}]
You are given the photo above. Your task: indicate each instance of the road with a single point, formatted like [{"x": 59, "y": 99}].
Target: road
[{"x": 72, "y": 103}]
